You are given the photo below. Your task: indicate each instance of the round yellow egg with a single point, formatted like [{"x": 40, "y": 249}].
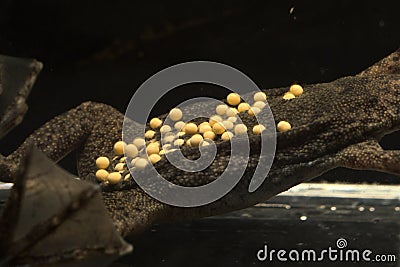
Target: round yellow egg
[
  {"x": 284, "y": 126},
  {"x": 296, "y": 89},
  {"x": 233, "y": 99},
  {"x": 175, "y": 114},
  {"x": 119, "y": 147},
  {"x": 102, "y": 162},
  {"x": 218, "y": 128},
  {"x": 114, "y": 178},
  {"x": 101, "y": 175}
]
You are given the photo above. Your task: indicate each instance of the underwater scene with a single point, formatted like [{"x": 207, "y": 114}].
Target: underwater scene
[{"x": 221, "y": 133}]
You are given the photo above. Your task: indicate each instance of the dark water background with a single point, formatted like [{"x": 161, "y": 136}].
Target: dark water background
[{"x": 102, "y": 51}]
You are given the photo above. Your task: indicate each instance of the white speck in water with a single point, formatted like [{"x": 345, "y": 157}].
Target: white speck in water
[
  {"x": 333, "y": 208},
  {"x": 371, "y": 209},
  {"x": 287, "y": 207},
  {"x": 361, "y": 208},
  {"x": 397, "y": 208},
  {"x": 303, "y": 218},
  {"x": 322, "y": 207}
]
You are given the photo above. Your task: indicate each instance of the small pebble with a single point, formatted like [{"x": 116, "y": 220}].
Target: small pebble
[
  {"x": 119, "y": 147},
  {"x": 102, "y": 162},
  {"x": 101, "y": 175},
  {"x": 233, "y": 99},
  {"x": 114, "y": 178},
  {"x": 284, "y": 126},
  {"x": 175, "y": 114},
  {"x": 296, "y": 89}
]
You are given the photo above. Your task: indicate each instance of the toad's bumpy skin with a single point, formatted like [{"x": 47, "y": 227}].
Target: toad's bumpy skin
[{"x": 332, "y": 124}]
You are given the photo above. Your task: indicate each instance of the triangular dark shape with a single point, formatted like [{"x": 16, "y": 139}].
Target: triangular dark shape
[{"x": 53, "y": 219}]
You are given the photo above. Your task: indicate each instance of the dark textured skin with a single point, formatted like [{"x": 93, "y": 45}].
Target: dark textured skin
[{"x": 336, "y": 124}]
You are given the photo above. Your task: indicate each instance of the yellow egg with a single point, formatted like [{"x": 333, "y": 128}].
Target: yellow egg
[
  {"x": 243, "y": 107},
  {"x": 221, "y": 109},
  {"x": 214, "y": 119},
  {"x": 284, "y": 126},
  {"x": 114, "y": 178},
  {"x": 175, "y": 114},
  {"x": 169, "y": 139},
  {"x": 188, "y": 142},
  {"x": 260, "y": 96},
  {"x": 191, "y": 128},
  {"x": 204, "y": 128},
  {"x": 179, "y": 125},
  {"x": 149, "y": 134},
  {"x": 259, "y": 104},
  {"x": 227, "y": 124},
  {"x": 240, "y": 129},
  {"x": 141, "y": 163},
  {"x": 226, "y": 136},
  {"x": 209, "y": 135},
  {"x": 233, "y": 99},
  {"x": 195, "y": 140},
  {"x": 218, "y": 128},
  {"x": 296, "y": 89},
  {"x": 258, "y": 129},
  {"x": 155, "y": 123},
  {"x": 139, "y": 142},
  {"x": 153, "y": 148},
  {"x": 119, "y": 147},
  {"x": 101, "y": 175},
  {"x": 288, "y": 96},
  {"x": 119, "y": 167},
  {"x": 154, "y": 158},
  {"x": 179, "y": 142},
  {"x": 231, "y": 112},
  {"x": 232, "y": 119},
  {"x": 165, "y": 129},
  {"x": 102, "y": 162},
  {"x": 254, "y": 111},
  {"x": 131, "y": 150}
]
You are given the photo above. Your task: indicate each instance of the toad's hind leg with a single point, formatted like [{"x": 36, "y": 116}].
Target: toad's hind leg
[
  {"x": 59, "y": 136},
  {"x": 369, "y": 155}
]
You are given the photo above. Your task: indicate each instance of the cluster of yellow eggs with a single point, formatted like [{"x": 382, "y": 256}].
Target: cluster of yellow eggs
[
  {"x": 295, "y": 90},
  {"x": 222, "y": 126}
]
